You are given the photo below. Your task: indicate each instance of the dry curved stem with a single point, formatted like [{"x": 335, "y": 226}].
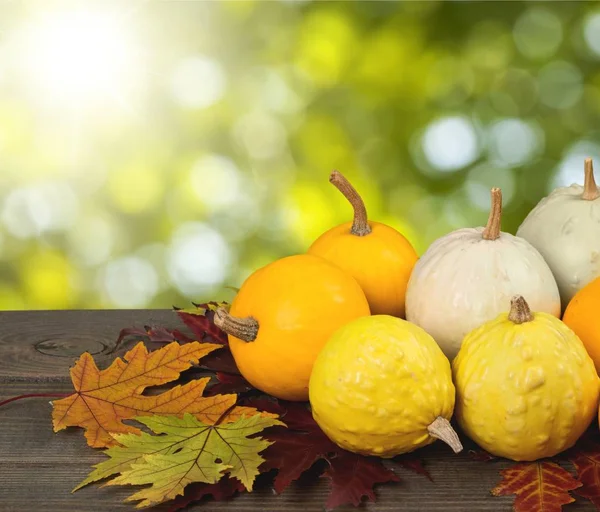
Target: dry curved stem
[
  {"x": 442, "y": 430},
  {"x": 519, "y": 310},
  {"x": 360, "y": 225},
  {"x": 590, "y": 189},
  {"x": 242, "y": 328},
  {"x": 494, "y": 223}
]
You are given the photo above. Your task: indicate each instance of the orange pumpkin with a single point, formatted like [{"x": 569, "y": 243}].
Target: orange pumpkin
[
  {"x": 376, "y": 255},
  {"x": 283, "y": 315},
  {"x": 581, "y": 316}
]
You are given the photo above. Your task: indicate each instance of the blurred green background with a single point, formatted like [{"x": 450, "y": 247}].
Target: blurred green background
[{"x": 153, "y": 153}]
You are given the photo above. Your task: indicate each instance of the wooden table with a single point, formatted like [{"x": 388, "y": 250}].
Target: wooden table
[{"x": 38, "y": 468}]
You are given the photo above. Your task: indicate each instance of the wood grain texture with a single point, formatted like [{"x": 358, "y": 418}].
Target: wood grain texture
[{"x": 38, "y": 468}]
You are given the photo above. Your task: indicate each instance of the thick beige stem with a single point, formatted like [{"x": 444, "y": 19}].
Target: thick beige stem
[
  {"x": 590, "y": 190},
  {"x": 519, "y": 310},
  {"x": 442, "y": 430},
  {"x": 360, "y": 226},
  {"x": 492, "y": 229},
  {"x": 243, "y": 328}
]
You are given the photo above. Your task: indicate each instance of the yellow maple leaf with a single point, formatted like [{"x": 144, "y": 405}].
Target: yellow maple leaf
[
  {"x": 103, "y": 399},
  {"x": 185, "y": 451}
]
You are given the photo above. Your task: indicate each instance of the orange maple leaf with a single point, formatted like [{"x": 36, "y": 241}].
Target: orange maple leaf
[
  {"x": 103, "y": 399},
  {"x": 539, "y": 486}
]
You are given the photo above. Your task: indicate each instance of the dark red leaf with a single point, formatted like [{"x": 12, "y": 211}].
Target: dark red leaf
[
  {"x": 228, "y": 383},
  {"x": 481, "y": 455},
  {"x": 412, "y": 463},
  {"x": 222, "y": 490},
  {"x": 154, "y": 334},
  {"x": 586, "y": 459},
  {"x": 293, "y": 453},
  {"x": 539, "y": 486},
  {"x": 220, "y": 361},
  {"x": 203, "y": 327},
  {"x": 353, "y": 478},
  {"x": 298, "y": 447},
  {"x": 265, "y": 403}
]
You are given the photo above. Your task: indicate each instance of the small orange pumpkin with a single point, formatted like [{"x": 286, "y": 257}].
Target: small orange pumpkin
[
  {"x": 283, "y": 315},
  {"x": 376, "y": 255},
  {"x": 581, "y": 316}
]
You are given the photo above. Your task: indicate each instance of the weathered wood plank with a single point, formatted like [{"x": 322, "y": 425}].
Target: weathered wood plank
[
  {"x": 38, "y": 468},
  {"x": 42, "y": 345}
]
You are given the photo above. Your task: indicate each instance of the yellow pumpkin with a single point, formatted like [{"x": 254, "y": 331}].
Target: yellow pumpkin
[
  {"x": 378, "y": 256},
  {"x": 525, "y": 386},
  {"x": 281, "y": 318},
  {"x": 382, "y": 386}
]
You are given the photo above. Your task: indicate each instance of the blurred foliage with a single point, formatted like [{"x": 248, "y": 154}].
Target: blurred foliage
[{"x": 210, "y": 157}]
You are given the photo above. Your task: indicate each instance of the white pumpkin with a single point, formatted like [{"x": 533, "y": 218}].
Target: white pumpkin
[
  {"x": 565, "y": 228},
  {"x": 469, "y": 277}
]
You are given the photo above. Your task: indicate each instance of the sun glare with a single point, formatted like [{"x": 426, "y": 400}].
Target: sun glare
[{"x": 78, "y": 56}]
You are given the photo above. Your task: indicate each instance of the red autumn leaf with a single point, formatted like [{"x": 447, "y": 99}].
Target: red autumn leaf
[
  {"x": 224, "y": 489},
  {"x": 154, "y": 334},
  {"x": 539, "y": 486},
  {"x": 412, "y": 463},
  {"x": 220, "y": 362},
  {"x": 297, "y": 447},
  {"x": 229, "y": 383},
  {"x": 353, "y": 477},
  {"x": 586, "y": 459},
  {"x": 481, "y": 456},
  {"x": 200, "y": 322}
]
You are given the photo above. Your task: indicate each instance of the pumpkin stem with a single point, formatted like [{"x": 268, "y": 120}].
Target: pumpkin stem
[
  {"x": 243, "y": 328},
  {"x": 590, "y": 190},
  {"x": 360, "y": 226},
  {"x": 442, "y": 430},
  {"x": 492, "y": 229},
  {"x": 519, "y": 310}
]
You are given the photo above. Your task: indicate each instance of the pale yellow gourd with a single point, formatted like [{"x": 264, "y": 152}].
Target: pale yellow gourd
[
  {"x": 382, "y": 386},
  {"x": 526, "y": 387}
]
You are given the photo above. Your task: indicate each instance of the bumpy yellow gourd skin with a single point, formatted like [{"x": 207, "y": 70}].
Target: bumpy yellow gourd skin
[
  {"x": 378, "y": 383},
  {"x": 524, "y": 391}
]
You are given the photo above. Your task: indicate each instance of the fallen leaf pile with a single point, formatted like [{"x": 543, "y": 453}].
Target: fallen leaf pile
[{"x": 212, "y": 433}]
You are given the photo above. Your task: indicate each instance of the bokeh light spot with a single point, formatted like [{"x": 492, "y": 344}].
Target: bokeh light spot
[
  {"x": 513, "y": 142},
  {"x": 450, "y": 143},
  {"x": 591, "y": 32},
  {"x": 484, "y": 177},
  {"x": 136, "y": 188},
  {"x": 561, "y": 84},
  {"x": 570, "y": 168},
  {"x": 92, "y": 239},
  {"x": 130, "y": 282},
  {"x": 47, "y": 279},
  {"x": 538, "y": 33},
  {"x": 33, "y": 210},
  {"x": 261, "y": 135},
  {"x": 198, "y": 259},
  {"x": 198, "y": 82},
  {"x": 76, "y": 55},
  {"x": 216, "y": 181}
]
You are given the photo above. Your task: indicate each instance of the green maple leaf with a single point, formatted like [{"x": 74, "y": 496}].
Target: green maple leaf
[{"x": 186, "y": 451}]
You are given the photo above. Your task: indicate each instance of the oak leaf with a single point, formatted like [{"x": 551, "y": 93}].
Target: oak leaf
[
  {"x": 104, "y": 398},
  {"x": 187, "y": 451},
  {"x": 539, "y": 486}
]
